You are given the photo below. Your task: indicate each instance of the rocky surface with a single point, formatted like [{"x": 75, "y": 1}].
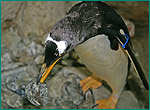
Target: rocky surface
[{"x": 24, "y": 26}]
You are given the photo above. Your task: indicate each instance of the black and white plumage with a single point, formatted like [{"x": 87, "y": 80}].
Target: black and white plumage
[{"x": 91, "y": 28}]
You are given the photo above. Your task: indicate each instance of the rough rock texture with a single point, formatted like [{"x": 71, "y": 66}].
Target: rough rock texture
[{"x": 24, "y": 26}]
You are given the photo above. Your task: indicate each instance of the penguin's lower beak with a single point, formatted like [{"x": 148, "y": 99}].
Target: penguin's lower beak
[{"x": 46, "y": 70}]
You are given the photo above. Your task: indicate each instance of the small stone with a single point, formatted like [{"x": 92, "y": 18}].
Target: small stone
[
  {"x": 5, "y": 59},
  {"x": 39, "y": 59},
  {"x": 32, "y": 48},
  {"x": 37, "y": 94},
  {"x": 40, "y": 50}
]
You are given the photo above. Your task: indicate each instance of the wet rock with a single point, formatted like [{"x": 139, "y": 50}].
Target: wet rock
[{"x": 13, "y": 100}]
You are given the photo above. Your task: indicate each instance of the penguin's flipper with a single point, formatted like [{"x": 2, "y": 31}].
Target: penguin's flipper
[
  {"x": 92, "y": 82},
  {"x": 109, "y": 103},
  {"x": 133, "y": 59}
]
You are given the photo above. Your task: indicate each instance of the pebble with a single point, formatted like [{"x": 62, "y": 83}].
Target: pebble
[{"x": 37, "y": 94}]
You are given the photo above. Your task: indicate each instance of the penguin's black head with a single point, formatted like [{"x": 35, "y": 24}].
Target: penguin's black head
[
  {"x": 54, "y": 50},
  {"x": 51, "y": 53}
]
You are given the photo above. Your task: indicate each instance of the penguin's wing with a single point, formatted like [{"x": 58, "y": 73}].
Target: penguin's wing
[
  {"x": 121, "y": 39},
  {"x": 116, "y": 37}
]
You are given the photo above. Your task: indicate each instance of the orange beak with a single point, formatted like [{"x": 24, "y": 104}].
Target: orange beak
[{"x": 47, "y": 70}]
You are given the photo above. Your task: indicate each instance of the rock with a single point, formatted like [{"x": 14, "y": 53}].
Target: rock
[
  {"x": 66, "y": 56},
  {"x": 13, "y": 100},
  {"x": 32, "y": 48},
  {"x": 68, "y": 93},
  {"x": 39, "y": 11},
  {"x": 10, "y": 66},
  {"x": 131, "y": 27},
  {"x": 39, "y": 59},
  {"x": 67, "y": 62},
  {"x": 13, "y": 72},
  {"x": 33, "y": 71},
  {"x": 128, "y": 101},
  {"x": 9, "y": 10},
  {"x": 74, "y": 55},
  {"x": 40, "y": 50},
  {"x": 79, "y": 61},
  {"x": 37, "y": 94},
  {"x": 136, "y": 10},
  {"x": 6, "y": 59},
  {"x": 16, "y": 83}
]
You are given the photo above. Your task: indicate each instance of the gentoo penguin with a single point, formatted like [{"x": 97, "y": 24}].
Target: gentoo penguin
[{"x": 97, "y": 33}]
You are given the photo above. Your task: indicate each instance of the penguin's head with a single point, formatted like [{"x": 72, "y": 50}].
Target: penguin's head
[{"x": 54, "y": 51}]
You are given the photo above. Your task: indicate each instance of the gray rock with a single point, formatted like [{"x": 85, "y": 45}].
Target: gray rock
[
  {"x": 37, "y": 94},
  {"x": 32, "y": 48},
  {"x": 66, "y": 56},
  {"x": 38, "y": 11},
  {"x": 13, "y": 100},
  {"x": 40, "y": 50},
  {"x": 74, "y": 55},
  {"x": 67, "y": 93},
  {"x": 33, "y": 71},
  {"x": 17, "y": 82},
  {"x": 128, "y": 101},
  {"x": 9, "y": 10},
  {"x": 6, "y": 59},
  {"x": 10, "y": 66},
  {"x": 67, "y": 62},
  {"x": 39, "y": 59}
]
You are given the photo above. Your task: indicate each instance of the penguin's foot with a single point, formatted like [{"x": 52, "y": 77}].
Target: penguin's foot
[
  {"x": 89, "y": 82},
  {"x": 109, "y": 103}
]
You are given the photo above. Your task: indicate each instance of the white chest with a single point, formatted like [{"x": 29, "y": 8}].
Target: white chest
[{"x": 100, "y": 59}]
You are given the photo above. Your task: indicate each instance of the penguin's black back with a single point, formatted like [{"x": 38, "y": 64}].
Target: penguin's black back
[
  {"x": 88, "y": 19},
  {"x": 107, "y": 15}
]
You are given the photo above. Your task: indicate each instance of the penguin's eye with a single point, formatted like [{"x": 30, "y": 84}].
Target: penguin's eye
[{"x": 56, "y": 54}]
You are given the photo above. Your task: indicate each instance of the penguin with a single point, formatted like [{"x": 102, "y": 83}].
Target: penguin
[{"x": 97, "y": 33}]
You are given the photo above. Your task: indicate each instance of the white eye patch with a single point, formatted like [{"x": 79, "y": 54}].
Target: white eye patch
[{"x": 61, "y": 45}]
